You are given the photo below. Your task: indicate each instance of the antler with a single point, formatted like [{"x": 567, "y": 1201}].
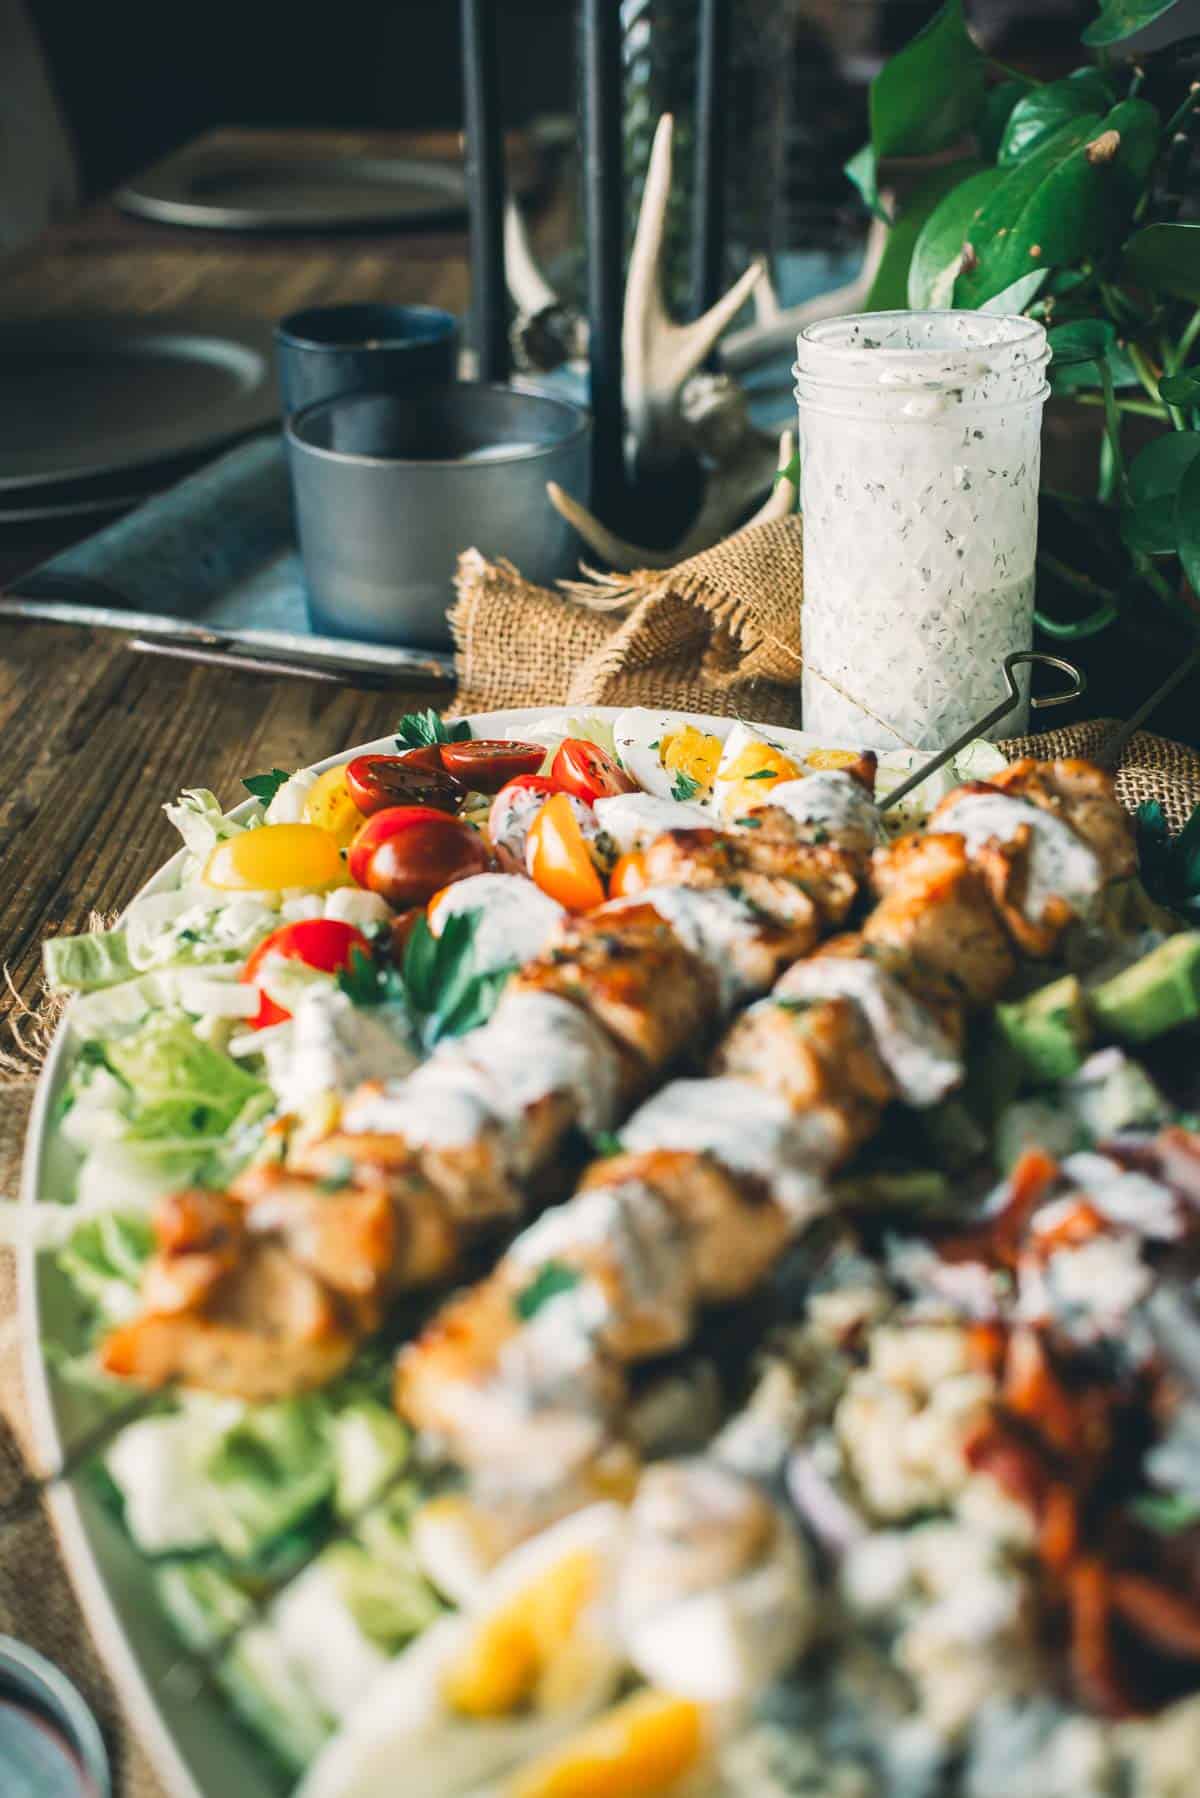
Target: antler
[{"x": 775, "y": 329}]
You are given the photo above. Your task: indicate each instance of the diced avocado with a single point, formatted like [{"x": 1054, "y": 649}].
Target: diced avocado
[
  {"x": 1156, "y": 994},
  {"x": 994, "y": 1072},
  {"x": 1049, "y": 1031}
]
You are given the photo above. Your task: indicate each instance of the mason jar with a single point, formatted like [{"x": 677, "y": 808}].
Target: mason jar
[{"x": 920, "y": 443}]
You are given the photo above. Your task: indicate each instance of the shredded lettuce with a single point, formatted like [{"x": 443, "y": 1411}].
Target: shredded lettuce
[
  {"x": 198, "y": 818},
  {"x": 177, "y": 1085},
  {"x": 195, "y": 924},
  {"x": 104, "y": 1258},
  {"x": 269, "y": 1471},
  {"x": 84, "y": 964}
]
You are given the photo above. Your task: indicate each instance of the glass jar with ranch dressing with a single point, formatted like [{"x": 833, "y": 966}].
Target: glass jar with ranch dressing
[{"x": 920, "y": 447}]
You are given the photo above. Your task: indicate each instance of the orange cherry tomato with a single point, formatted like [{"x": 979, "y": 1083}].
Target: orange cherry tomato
[
  {"x": 484, "y": 765},
  {"x": 588, "y": 771},
  {"x": 629, "y": 876},
  {"x": 324, "y": 943},
  {"x": 558, "y": 859},
  {"x": 379, "y": 828}
]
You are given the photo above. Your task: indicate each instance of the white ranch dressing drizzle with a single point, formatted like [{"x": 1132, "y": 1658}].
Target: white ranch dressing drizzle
[
  {"x": 514, "y": 919},
  {"x": 629, "y": 1227},
  {"x": 748, "y": 1130},
  {"x": 709, "y": 924},
  {"x": 1060, "y": 862},
  {"x": 834, "y": 801},
  {"x": 537, "y": 1044},
  {"x": 330, "y": 1046},
  {"x": 446, "y": 1104},
  {"x": 634, "y": 819},
  {"x": 924, "y": 1062}
]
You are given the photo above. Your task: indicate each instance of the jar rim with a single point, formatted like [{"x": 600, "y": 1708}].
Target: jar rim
[{"x": 991, "y": 330}]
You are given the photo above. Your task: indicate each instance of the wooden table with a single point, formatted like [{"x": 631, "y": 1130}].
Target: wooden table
[{"x": 96, "y": 738}]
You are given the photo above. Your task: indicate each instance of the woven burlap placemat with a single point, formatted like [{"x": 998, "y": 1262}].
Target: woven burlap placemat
[{"x": 720, "y": 633}]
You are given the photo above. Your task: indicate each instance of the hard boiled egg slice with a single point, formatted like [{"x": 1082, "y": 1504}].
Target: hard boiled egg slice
[
  {"x": 653, "y": 1744},
  {"x": 666, "y": 755},
  {"x": 495, "y": 1686},
  {"x": 750, "y": 766}
]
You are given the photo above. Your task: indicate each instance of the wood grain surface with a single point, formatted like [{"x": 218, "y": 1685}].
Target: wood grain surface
[{"x": 95, "y": 738}]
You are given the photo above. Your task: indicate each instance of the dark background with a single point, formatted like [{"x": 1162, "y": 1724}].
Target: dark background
[{"x": 137, "y": 77}]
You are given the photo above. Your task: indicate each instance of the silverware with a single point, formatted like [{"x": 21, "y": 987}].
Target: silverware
[
  {"x": 1011, "y": 700},
  {"x": 224, "y": 652}
]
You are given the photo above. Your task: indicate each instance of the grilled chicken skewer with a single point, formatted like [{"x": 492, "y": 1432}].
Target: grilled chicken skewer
[
  {"x": 270, "y": 1288},
  {"x": 523, "y": 1380}
]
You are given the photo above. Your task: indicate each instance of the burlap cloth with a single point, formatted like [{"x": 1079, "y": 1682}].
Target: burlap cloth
[{"x": 720, "y": 633}]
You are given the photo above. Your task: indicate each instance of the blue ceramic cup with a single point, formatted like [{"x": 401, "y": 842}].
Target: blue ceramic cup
[{"x": 326, "y": 351}]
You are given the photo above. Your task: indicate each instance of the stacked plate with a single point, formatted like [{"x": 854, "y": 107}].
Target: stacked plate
[{"x": 99, "y": 412}]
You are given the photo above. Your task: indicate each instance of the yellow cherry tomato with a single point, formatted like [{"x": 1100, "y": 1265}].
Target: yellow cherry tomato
[
  {"x": 330, "y": 807},
  {"x": 274, "y": 857},
  {"x": 558, "y": 859}
]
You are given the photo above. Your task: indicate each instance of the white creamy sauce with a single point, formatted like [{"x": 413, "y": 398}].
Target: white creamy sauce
[
  {"x": 330, "y": 1046},
  {"x": 515, "y": 918},
  {"x": 629, "y": 1228},
  {"x": 535, "y": 1044},
  {"x": 747, "y": 1129},
  {"x": 832, "y": 801},
  {"x": 922, "y": 1060},
  {"x": 446, "y": 1104},
  {"x": 634, "y": 819},
  {"x": 710, "y": 925},
  {"x": 1060, "y": 862},
  {"x": 1127, "y": 1198}
]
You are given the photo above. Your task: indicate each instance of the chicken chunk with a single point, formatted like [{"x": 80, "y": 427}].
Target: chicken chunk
[
  {"x": 1084, "y": 797},
  {"x": 934, "y": 908},
  {"x": 426, "y": 1233},
  {"x": 799, "y": 884},
  {"x": 819, "y": 1057},
  {"x": 345, "y": 1232}
]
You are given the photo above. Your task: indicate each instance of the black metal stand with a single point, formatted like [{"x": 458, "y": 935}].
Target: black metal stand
[{"x": 485, "y": 188}]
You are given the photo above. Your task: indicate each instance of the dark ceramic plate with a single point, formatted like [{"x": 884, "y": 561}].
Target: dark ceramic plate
[
  {"x": 243, "y": 188},
  {"x": 90, "y": 397}
]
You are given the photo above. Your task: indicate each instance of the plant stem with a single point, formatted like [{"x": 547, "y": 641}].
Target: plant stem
[
  {"x": 1112, "y": 433},
  {"x": 1074, "y": 577},
  {"x": 1141, "y": 408},
  {"x": 1187, "y": 338},
  {"x": 1186, "y": 105}
]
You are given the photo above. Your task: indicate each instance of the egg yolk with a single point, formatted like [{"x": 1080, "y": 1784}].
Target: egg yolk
[
  {"x": 642, "y": 1748},
  {"x": 831, "y": 758},
  {"x": 690, "y": 752},
  {"x": 747, "y": 781},
  {"x": 512, "y": 1655},
  {"x": 274, "y": 857},
  {"x": 329, "y": 806}
]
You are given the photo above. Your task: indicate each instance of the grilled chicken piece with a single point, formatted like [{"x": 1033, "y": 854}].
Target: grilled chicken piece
[
  {"x": 500, "y": 1393},
  {"x": 800, "y": 884},
  {"x": 935, "y": 910},
  {"x": 268, "y": 1329},
  {"x": 734, "y": 1230},
  {"x": 1084, "y": 797},
  {"x": 426, "y": 1234},
  {"x": 632, "y": 973},
  {"x": 347, "y": 1234},
  {"x": 200, "y": 1235},
  {"x": 820, "y": 1058}
]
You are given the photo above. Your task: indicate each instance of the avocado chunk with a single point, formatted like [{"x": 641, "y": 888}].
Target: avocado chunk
[
  {"x": 1049, "y": 1031},
  {"x": 1158, "y": 993}
]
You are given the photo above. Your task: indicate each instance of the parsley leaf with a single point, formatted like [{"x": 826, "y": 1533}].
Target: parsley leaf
[
  {"x": 749, "y": 823},
  {"x": 1166, "y": 1512},
  {"x": 265, "y": 786},
  {"x": 763, "y": 774},
  {"x": 552, "y": 1278},
  {"x": 339, "y": 1175},
  {"x": 417, "y": 730},
  {"x": 607, "y": 1142},
  {"x": 1169, "y": 866},
  {"x": 442, "y": 989},
  {"x": 683, "y": 787}
]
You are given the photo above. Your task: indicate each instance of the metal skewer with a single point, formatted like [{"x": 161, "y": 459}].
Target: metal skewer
[{"x": 981, "y": 726}]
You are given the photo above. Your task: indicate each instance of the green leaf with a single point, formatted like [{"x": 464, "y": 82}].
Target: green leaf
[
  {"x": 1166, "y": 1513},
  {"x": 1082, "y": 340},
  {"x": 606, "y": 1143},
  {"x": 1122, "y": 18},
  {"x": 417, "y": 730},
  {"x": 552, "y": 1278},
  {"x": 1148, "y": 522},
  {"x": 1069, "y": 198},
  {"x": 1014, "y": 299},
  {"x": 265, "y": 786},
  {"x": 1187, "y": 522},
  {"x": 930, "y": 92},
  {"x": 1182, "y": 389},
  {"x": 1166, "y": 259},
  {"x": 863, "y": 170},
  {"x": 683, "y": 787},
  {"x": 938, "y": 250},
  {"x": 1042, "y": 112},
  {"x": 889, "y": 290},
  {"x": 998, "y": 104}
]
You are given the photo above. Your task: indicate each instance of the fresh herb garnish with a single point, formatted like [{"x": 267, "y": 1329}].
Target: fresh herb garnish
[
  {"x": 763, "y": 774},
  {"x": 265, "y": 786},
  {"x": 417, "y": 730},
  {"x": 1170, "y": 866},
  {"x": 438, "y": 982},
  {"x": 749, "y": 823},
  {"x": 552, "y": 1278},
  {"x": 684, "y": 787},
  {"x": 338, "y": 1175},
  {"x": 606, "y": 1142},
  {"x": 1166, "y": 1512},
  {"x": 657, "y": 741}
]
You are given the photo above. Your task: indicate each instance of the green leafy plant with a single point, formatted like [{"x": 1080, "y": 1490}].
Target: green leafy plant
[
  {"x": 417, "y": 730},
  {"x": 1062, "y": 200},
  {"x": 1170, "y": 866},
  {"x": 437, "y": 982},
  {"x": 265, "y": 786}
]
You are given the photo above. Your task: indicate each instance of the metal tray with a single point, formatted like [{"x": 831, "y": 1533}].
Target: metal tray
[{"x": 210, "y": 570}]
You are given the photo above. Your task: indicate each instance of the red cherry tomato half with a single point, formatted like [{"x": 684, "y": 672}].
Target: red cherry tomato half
[
  {"x": 588, "y": 771},
  {"x": 409, "y": 866},
  {"x": 485, "y": 766},
  {"x": 379, "y": 781},
  {"x": 323, "y": 943},
  {"x": 381, "y": 826}
]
